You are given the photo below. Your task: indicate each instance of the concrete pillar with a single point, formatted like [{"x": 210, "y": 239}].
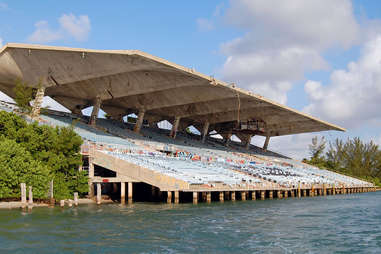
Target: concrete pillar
[
  {"x": 304, "y": 193},
  {"x": 266, "y": 144},
  {"x": 70, "y": 203},
  {"x": 99, "y": 193},
  {"x": 205, "y": 131},
  {"x": 195, "y": 197},
  {"x": 177, "y": 197},
  {"x": 76, "y": 198},
  {"x": 129, "y": 192},
  {"x": 271, "y": 194},
  {"x": 51, "y": 193},
  {"x": 292, "y": 193},
  {"x": 299, "y": 191},
  {"x": 62, "y": 203},
  {"x": 324, "y": 190},
  {"x": 312, "y": 191},
  {"x": 263, "y": 193},
  {"x": 232, "y": 196},
  {"x": 285, "y": 194},
  {"x": 23, "y": 195},
  {"x": 243, "y": 195},
  {"x": 169, "y": 197},
  {"x": 94, "y": 114},
  {"x": 30, "y": 201},
  {"x": 279, "y": 194},
  {"x": 175, "y": 125},
  {"x": 91, "y": 176},
  {"x": 123, "y": 193},
  {"x": 226, "y": 195},
  {"x": 77, "y": 110},
  {"x": 227, "y": 138},
  {"x": 37, "y": 102},
  {"x": 221, "y": 196},
  {"x": 248, "y": 141},
  {"x": 253, "y": 195},
  {"x": 139, "y": 121},
  {"x": 208, "y": 197}
]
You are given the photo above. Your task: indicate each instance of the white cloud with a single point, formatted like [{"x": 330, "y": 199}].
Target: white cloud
[
  {"x": 70, "y": 26},
  {"x": 78, "y": 27},
  {"x": 283, "y": 40},
  {"x": 204, "y": 24},
  {"x": 353, "y": 96},
  {"x": 44, "y": 34}
]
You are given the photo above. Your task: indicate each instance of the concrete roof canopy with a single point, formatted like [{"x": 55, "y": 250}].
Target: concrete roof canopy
[{"x": 130, "y": 80}]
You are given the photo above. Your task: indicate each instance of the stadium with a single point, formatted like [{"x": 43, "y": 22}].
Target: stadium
[{"x": 132, "y": 158}]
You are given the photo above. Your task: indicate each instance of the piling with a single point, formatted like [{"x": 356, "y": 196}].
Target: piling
[
  {"x": 232, "y": 196},
  {"x": 299, "y": 191},
  {"x": 243, "y": 195},
  {"x": 292, "y": 193},
  {"x": 286, "y": 194},
  {"x": 30, "y": 201},
  {"x": 263, "y": 193},
  {"x": 51, "y": 193},
  {"x": 99, "y": 194},
  {"x": 203, "y": 196},
  {"x": 177, "y": 197},
  {"x": 208, "y": 197},
  {"x": 62, "y": 203},
  {"x": 304, "y": 193},
  {"x": 324, "y": 190},
  {"x": 70, "y": 203},
  {"x": 221, "y": 196},
  {"x": 271, "y": 194},
  {"x": 76, "y": 198},
  {"x": 23, "y": 195},
  {"x": 169, "y": 197},
  {"x": 123, "y": 193},
  {"x": 129, "y": 192},
  {"x": 253, "y": 195},
  {"x": 195, "y": 197}
]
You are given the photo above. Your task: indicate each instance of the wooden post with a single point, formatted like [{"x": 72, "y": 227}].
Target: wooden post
[
  {"x": 99, "y": 194},
  {"x": 253, "y": 195},
  {"x": 177, "y": 197},
  {"x": 232, "y": 196},
  {"x": 30, "y": 201},
  {"x": 208, "y": 197},
  {"x": 243, "y": 195},
  {"x": 263, "y": 195},
  {"x": 221, "y": 196},
  {"x": 23, "y": 195},
  {"x": 195, "y": 197},
  {"x": 76, "y": 198},
  {"x": 169, "y": 197},
  {"x": 130, "y": 194}
]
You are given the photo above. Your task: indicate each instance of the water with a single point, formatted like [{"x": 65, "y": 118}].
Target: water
[{"x": 333, "y": 224}]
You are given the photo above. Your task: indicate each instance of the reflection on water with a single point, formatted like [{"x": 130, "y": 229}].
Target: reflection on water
[{"x": 341, "y": 224}]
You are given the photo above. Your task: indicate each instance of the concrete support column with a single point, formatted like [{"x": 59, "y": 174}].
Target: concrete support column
[
  {"x": 266, "y": 144},
  {"x": 130, "y": 194},
  {"x": 304, "y": 193},
  {"x": 279, "y": 194},
  {"x": 324, "y": 190},
  {"x": 77, "y": 110},
  {"x": 139, "y": 121},
  {"x": 286, "y": 194},
  {"x": 205, "y": 131},
  {"x": 312, "y": 191},
  {"x": 99, "y": 193},
  {"x": 221, "y": 196},
  {"x": 37, "y": 102},
  {"x": 253, "y": 195},
  {"x": 195, "y": 197},
  {"x": 175, "y": 126},
  {"x": 122, "y": 193},
  {"x": 91, "y": 176},
  {"x": 292, "y": 193},
  {"x": 169, "y": 197},
  {"x": 299, "y": 191},
  {"x": 208, "y": 197},
  {"x": 227, "y": 138},
  {"x": 177, "y": 197},
  {"x": 243, "y": 195},
  {"x": 233, "y": 196},
  {"x": 271, "y": 194},
  {"x": 263, "y": 193},
  {"x": 96, "y": 106}
]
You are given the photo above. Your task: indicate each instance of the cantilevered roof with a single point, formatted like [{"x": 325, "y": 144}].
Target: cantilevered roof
[{"x": 130, "y": 80}]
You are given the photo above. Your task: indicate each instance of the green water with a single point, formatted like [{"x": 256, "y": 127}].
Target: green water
[{"x": 333, "y": 224}]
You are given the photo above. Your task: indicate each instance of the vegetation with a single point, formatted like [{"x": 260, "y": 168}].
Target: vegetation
[
  {"x": 352, "y": 157},
  {"x": 23, "y": 95},
  {"x": 36, "y": 154}
]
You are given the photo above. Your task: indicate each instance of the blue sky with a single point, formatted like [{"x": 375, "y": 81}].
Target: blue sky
[{"x": 295, "y": 52}]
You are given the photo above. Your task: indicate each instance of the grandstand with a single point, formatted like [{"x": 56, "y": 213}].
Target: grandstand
[{"x": 157, "y": 164}]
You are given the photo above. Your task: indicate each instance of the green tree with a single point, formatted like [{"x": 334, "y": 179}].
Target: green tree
[{"x": 23, "y": 96}]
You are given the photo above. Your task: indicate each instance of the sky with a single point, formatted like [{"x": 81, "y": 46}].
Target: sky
[{"x": 322, "y": 57}]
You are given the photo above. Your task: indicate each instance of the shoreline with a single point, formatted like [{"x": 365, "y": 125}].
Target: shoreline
[{"x": 18, "y": 205}]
